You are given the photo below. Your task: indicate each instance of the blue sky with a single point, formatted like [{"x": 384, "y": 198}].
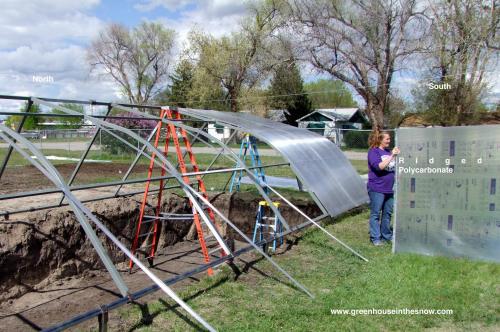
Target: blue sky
[{"x": 47, "y": 38}]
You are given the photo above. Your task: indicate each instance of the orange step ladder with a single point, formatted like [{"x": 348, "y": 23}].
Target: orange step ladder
[{"x": 145, "y": 220}]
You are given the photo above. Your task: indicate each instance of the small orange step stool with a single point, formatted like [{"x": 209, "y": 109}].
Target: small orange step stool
[{"x": 142, "y": 233}]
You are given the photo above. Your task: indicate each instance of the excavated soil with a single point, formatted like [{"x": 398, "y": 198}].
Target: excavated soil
[{"x": 49, "y": 270}]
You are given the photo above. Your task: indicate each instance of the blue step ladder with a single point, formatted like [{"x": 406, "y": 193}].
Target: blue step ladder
[
  {"x": 249, "y": 146},
  {"x": 264, "y": 223}
]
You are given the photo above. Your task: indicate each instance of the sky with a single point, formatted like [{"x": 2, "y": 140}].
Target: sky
[{"x": 46, "y": 39}]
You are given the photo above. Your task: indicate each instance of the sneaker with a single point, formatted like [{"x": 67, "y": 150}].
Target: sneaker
[{"x": 377, "y": 243}]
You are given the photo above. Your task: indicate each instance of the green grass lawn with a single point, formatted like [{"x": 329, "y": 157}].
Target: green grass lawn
[{"x": 263, "y": 300}]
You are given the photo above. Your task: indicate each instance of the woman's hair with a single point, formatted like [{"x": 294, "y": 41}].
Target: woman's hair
[{"x": 376, "y": 137}]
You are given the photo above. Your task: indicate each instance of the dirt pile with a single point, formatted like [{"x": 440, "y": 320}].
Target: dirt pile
[{"x": 49, "y": 245}]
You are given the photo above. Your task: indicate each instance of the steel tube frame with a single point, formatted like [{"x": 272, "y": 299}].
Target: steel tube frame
[
  {"x": 190, "y": 192},
  {"x": 195, "y": 137},
  {"x": 264, "y": 195},
  {"x": 312, "y": 194},
  {"x": 116, "y": 117},
  {"x": 106, "y": 126},
  {"x": 80, "y": 210},
  {"x": 53, "y": 175},
  {"x": 171, "y": 281},
  {"x": 84, "y": 155},
  {"x": 19, "y": 129},
  {"x": 226, "y": 148},
  {"x": 116, "y": 183},
  {"x": 139, "y": 155}
]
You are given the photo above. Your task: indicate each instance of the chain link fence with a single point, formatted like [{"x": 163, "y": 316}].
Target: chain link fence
[
  {"x": 76, "y": 139},
  {"x": 348, "y": 139}
]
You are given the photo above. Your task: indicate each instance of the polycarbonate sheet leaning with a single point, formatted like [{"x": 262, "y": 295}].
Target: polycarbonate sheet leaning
[
  {"x": 317, "y": 162},
  {"x": 447, "y": 192}
]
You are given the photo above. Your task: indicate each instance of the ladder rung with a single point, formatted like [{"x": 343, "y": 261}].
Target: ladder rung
[
  {"x": 176, "y": 214},
  {"x": 145, "y": 234},
  {"x": 264, "y": 225},
  {"x": 214, "y": 250},
  {"x": 173, "y": 217}
]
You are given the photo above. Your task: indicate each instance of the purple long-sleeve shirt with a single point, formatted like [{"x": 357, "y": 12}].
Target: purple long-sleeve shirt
[{"x": 380, "y": 181}]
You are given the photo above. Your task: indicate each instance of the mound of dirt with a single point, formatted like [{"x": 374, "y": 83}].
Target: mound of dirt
[{"x": 49, "y": 245}]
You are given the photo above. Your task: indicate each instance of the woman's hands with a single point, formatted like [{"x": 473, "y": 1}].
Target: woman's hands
[{"x": 387, "y": 161}]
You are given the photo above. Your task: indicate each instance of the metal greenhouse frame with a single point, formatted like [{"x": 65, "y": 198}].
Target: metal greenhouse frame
[{"x": 345, "y": 191}]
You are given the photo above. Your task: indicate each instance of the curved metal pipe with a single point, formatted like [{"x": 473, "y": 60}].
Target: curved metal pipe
[
  {"x": 187, "y": 189},
  {"x": 223, "y": 146},
  {"x": 78, "y": 208}
]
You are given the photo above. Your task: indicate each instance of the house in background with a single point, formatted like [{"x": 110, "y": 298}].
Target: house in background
[
  {"x": 219, "y": 131},
  {"x": 332, "y": 122}
]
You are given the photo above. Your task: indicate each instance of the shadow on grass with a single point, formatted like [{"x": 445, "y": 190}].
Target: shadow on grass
[
  {"x": 250, "y": 265},
  {"x": 147, "y": 317}
]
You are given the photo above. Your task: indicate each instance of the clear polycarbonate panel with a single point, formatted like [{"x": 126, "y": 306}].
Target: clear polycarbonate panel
[
  {"x": 317, "y": 162},
  {"x": 448, "y": 202}
]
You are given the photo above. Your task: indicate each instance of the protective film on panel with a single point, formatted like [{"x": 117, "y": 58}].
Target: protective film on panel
[{"x": 447, "y": 197}]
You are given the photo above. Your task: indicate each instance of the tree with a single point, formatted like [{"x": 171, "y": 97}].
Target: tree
[
  {"x": 462, "y": 34},
  {"x": 287, "y": 92},
  {"x": 191, "y": 87},
  {"x": 329, "y": 94},
  {"x": 362, "y": 43},
  {"x": 142, "y": 127},
  {"x": 30, "y": 123},
  {"x": 238, "y": 60},
  {"x": 69, "y": 122},
  {"x": 395, "y": 111},
  {"x": 177, "y": 93},
  {"x": 138, "y": 60}
]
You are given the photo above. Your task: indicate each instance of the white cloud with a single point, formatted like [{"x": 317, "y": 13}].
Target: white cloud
[
  {"x": 47, "y": 38},
  {"x": 215, "y": 17},
  {"x": 47, "y": 23},
  {"x": 171, "y": 5},
  {"x": 62, "y": 62}
]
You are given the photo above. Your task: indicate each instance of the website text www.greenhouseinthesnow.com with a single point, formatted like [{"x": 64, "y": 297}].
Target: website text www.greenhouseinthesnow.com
[{"x": 404, "y": 311}]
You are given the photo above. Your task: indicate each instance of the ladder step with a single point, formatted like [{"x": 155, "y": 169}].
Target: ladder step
[
  {"x": 214, "y": 250},
  {"x": 264, "y": 225},
  {"x": 145, "y": 234},
  {"x": 176, "y": 214},
  {"x": 172, "y": 217}
]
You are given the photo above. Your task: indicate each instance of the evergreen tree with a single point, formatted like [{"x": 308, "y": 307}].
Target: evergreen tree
[
  {"x": 177, "y": 93},
  {"x": 287, "y": 92}
]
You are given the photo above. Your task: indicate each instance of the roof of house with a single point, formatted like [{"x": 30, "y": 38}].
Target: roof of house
[{"x": 335, "y": 114}]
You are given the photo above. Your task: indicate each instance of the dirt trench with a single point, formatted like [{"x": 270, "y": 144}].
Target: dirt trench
[{"x": 42, "y": 247}]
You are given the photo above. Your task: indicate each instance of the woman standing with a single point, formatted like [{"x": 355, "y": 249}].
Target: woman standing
[{"x": 381, "y": 165}]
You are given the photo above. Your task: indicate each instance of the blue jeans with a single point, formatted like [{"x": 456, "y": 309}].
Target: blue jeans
[{"x": 380, "y": 229}]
